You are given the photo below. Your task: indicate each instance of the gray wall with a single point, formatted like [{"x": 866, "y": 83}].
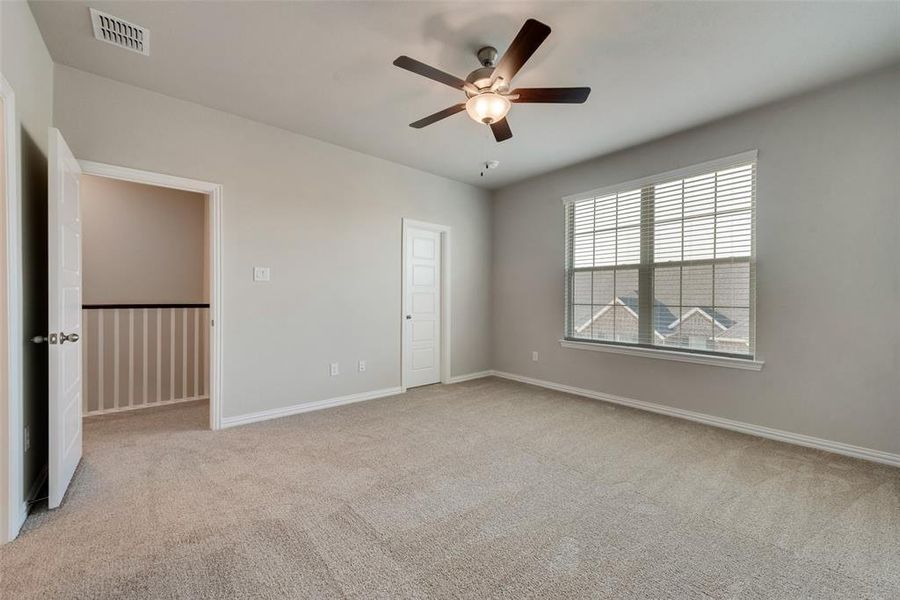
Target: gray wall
[
  {"x": 26, "y": 65},
  {"x": 141, "y": 244},
  {"x": 325, "y": 219},
  {"x": 828, "y": 276}
]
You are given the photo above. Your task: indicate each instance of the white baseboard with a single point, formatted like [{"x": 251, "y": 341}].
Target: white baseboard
[
  {"x": 798, "y": 439},
  {"x": 470, "y": 376},
  {"x": 96, "y": 413},
  {"x": 286, "y": 411}
]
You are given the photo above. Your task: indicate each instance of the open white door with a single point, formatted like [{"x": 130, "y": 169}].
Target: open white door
[
  {"x": 422, "y": 330},
  {"x": 64, "y": 233}
]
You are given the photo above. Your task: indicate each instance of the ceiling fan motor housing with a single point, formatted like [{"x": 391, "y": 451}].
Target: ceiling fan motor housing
[
  {"x": 481, "y": 78},
  {"x": 487, "y": 56}
]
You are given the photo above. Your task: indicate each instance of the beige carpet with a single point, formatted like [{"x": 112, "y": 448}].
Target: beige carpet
[{"x": 486, "y": 489}]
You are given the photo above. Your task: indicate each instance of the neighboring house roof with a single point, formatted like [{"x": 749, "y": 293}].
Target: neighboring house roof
[
  {"x": 740, "y": 332},
  {"x": 720, "y": 320},
  {"x": 630, "y": 304},
  {"x": 663, "y": 315},
  {"x": 667, "y": 321},
  {"x": 604, "y": 310}
]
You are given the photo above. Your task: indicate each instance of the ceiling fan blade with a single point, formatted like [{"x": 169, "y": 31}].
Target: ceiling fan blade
[
  {"x": 501, "y": 130},
  {"x": 420, "y": 68},
  {"x": 443, "y": 114},
  {"x": 572, "y": 95},
  {"x": 529, "y": 38}
]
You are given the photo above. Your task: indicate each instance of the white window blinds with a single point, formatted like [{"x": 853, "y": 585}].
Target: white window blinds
[{"x": 667, "y": 261}]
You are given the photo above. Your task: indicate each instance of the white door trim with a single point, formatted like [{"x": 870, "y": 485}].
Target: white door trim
[
  {"x": 215, "y": 192},
  {"x": 12, "y": 498},
  {"x": 444, "y": 230}
]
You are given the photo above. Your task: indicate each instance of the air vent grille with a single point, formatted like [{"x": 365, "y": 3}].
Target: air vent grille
[{"x": 121, "y": 33}]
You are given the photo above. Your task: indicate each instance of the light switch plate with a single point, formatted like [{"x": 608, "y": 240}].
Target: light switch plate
[
  {"x": 534, "y": 356},
  {"x": 362, "y": 366},
  {"x": 261, "y": 274},
  {"x": 334, "y": 369}
]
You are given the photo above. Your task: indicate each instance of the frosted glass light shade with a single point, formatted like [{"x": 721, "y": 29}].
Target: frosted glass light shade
[{"x": 488, "y": 107}]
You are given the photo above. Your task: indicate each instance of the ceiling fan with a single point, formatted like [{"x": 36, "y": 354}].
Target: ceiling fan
[{"x": 487, "y": 89}]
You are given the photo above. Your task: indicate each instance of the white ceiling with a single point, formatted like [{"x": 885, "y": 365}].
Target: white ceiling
[{"x": 324, "y": 69}]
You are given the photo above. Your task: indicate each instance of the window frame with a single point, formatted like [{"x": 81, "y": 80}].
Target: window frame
[{"x": 647, "y": 265}]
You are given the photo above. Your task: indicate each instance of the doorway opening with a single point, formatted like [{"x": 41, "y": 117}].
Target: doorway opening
[
  {"x": 153, "y": 337},
  {"x": 145, "y": 295}
]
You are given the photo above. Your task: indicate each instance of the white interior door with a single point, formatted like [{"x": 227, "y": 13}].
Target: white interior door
[
  {"x": 64, "y": 224},
  {"x": 422, "y": 323}
]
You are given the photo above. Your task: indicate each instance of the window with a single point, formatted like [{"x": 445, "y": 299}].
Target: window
[{"x": 666, "y": 262}]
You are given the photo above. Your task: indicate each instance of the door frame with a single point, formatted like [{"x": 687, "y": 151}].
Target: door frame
[
  {"x": 215, "y": 193},
  {"x": 13, "y": 508},
  {"x": 444, "y": 231}
]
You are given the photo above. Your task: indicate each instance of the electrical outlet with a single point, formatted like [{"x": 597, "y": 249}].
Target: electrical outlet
[
  {"x": 335, "y": 370},
  {"x": 534, "y": 356},
  {"x": 362, "y": 366},
  {"x": 27, "y": 439}
]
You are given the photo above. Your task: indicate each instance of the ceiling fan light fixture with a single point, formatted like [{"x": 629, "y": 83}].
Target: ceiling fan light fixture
[
  {"x": 488, "y": 89},
  {"x": 487, "y": 107}
]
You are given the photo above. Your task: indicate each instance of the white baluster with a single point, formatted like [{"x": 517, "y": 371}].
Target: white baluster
[
  {"x": 100, "y": 360},
  {"x": 171, "y": 354},
  {"x": 85, "y": 325},
  {"x": 144, "y": 355},
  {"x": 196, "y": 352},
  {"x": 116, "y": 358},
  {"x": 130, "y": 357},
  {"x": 184, "y": 358},
  {"x": 158, "y": 354}
]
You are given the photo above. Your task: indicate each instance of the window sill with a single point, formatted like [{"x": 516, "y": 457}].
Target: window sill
[{"x": 700, "y": 359}]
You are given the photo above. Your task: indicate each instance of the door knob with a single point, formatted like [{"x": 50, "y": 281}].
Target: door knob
[
  {"x": 72, "y": 337},
  {"x": 408, "y": 317},
  {"x": 39, "y": 339}
]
